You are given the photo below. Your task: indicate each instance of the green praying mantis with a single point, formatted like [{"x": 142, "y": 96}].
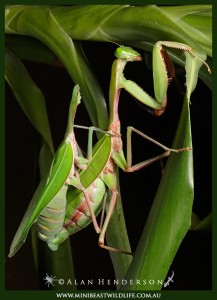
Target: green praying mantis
[
  {"x": 60, "y": 211},
  {"x": 116, "y": 157}
]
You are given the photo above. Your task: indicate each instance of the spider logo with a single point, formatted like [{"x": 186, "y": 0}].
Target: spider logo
[{"x": 50, "y": 280}]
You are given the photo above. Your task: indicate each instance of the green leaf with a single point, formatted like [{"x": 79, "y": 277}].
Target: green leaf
[
  {"x": 196, "y": 21},
  {"x": 28, "y": 95},
  {"x": 39, "y": 22},
  {"x": 138, "y": 26},
  {"x": 30, "y": 49},
  {"x": 170, "y": 215},
  {"x": 147, "y": 23}
]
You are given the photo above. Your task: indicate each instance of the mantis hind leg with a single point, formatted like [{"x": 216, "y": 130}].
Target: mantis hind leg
[
  {"x": 111, "y": 181},
  {"x": 110, "y": 210}
]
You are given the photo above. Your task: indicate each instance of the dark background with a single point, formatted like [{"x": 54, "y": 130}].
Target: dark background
[{"x": 192, "y": 264}]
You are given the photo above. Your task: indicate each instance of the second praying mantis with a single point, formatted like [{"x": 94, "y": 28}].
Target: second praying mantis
[{"x": 100, "y": 168}]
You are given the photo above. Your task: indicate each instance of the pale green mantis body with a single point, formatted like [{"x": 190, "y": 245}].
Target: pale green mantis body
[{"x": 108, "y": 153}]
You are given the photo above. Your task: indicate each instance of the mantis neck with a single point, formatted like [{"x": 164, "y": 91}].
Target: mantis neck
[{"x": 114, "y": 90}]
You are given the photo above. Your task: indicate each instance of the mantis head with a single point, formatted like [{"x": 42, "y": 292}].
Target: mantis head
[{"x": 127, "y": 53}]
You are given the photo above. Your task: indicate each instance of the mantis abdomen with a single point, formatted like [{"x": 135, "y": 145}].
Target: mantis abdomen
[
  {"x": 51, "y": 219},
  {"x": 61, "y": 219},
  {"x": 77, "y": 213}
]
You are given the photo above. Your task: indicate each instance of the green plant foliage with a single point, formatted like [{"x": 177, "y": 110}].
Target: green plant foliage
[{"x": 55, "y": 34}]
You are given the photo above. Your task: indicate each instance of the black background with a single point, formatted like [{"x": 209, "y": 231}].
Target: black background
[{"x": 192, "y": 264}]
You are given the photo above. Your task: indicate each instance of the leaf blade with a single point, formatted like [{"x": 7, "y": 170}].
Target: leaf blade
[
  {"x": 28, "y": 95},
  {"x": 170, "y": 215}
]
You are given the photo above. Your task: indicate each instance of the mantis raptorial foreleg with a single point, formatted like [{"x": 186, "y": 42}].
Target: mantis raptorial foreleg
[{"x": 163, "y": 73}]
